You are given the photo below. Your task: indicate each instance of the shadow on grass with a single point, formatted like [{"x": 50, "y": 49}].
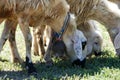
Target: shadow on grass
[
  {"x": 61, "y": 69},
  {"x": 3, "y": 60}
]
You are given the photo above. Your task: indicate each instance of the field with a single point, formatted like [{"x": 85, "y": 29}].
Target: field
[{"x": 105, "y": 67}]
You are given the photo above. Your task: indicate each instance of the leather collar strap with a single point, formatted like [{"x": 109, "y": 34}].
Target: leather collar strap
[{"x": 64, "y": 27}]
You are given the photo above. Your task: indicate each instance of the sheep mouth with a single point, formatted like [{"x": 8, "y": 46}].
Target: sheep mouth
[{"x": 97, "y": 53}]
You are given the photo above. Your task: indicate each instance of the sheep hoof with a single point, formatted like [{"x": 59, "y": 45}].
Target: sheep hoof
[
  {"x": 49, "y": 63},
  {"x": 97, "y": 53},
  {"x": 31, "y": 69},
  {"x": 77, "y": 62}
]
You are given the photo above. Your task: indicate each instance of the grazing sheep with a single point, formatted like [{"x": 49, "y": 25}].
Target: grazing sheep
[
  {"x": 33, "y": 13},
  {"x": 37, "y": 13},
  {"x": 93, "y": 35},
  {"x": 113, "y": 19},
  {"x": 103, "y": 11},
  {"x": 69, "y": 47}
]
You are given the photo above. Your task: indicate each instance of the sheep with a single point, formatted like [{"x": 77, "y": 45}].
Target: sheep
[
  {"x": 103, "y": 11},
  {"x": 94, "y": 37},
  {"x": 57, "y": 48},
  {"x": 33, "y": 13},
  {"x": 36, "y": 13}
]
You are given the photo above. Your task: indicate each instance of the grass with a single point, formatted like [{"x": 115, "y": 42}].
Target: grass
[{"x": 105, "y": 67}]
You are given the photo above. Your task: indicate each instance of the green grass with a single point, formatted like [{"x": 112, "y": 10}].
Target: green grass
[{"x": 105, "y": 67}]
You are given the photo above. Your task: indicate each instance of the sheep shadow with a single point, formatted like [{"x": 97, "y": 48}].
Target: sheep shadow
[{"x": 63, "y": 68}]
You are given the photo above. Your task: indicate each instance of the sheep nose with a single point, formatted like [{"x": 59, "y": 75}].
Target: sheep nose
[
  {"x": 97, "y": 53},
  {"x": 80, "y": 63},
  {"x": 84, "y": 44}
]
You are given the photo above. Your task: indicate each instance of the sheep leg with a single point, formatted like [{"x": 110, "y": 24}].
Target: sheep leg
[
  {"x": 24, "y": 26},
  {"x": 15, "y": 55}
]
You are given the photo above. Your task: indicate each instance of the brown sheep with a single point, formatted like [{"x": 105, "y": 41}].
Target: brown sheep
[{"x": 34, "y": 13}]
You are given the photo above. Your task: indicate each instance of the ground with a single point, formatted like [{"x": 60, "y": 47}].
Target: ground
[{"x": 105, "y": 67}]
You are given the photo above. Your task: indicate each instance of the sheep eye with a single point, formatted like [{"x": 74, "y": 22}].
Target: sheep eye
[
  {"x": 84, "y": 44},
  {"x": 96, "y": 43}
]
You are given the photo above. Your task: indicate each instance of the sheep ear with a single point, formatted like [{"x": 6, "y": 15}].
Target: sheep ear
[
  {"x": 77, "y": 46},
  {"x": 117, "y": 41},
  {"x": 78, "y": 49}
]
